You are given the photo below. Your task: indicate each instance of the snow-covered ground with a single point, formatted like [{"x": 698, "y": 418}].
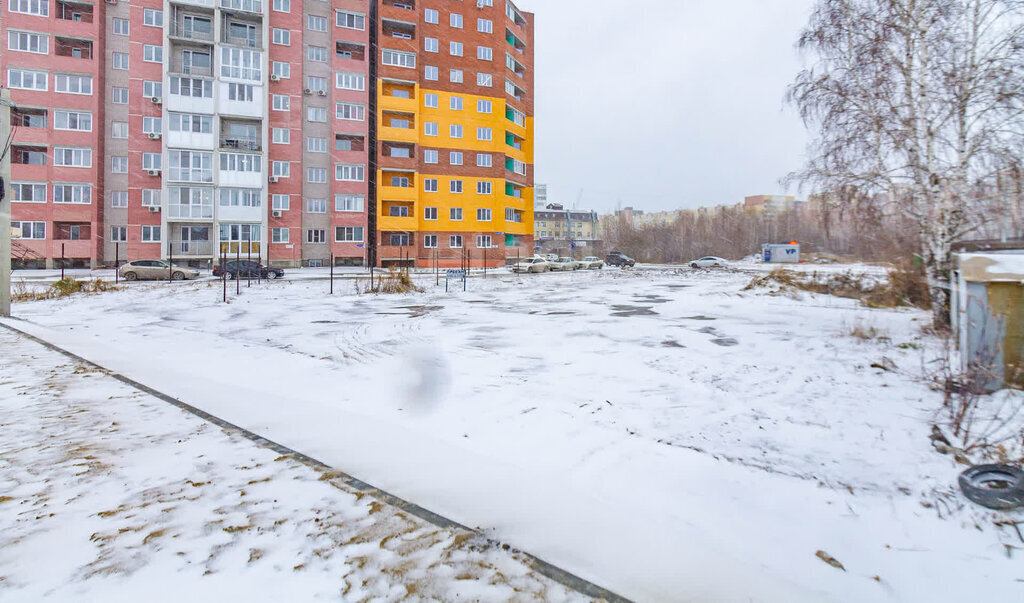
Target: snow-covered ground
[
  {"x": 111, "y": 495},
  {"x": 661, "y": 433}
]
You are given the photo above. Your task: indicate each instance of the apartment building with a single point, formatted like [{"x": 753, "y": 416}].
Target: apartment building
[{"x": 266, "y": 128}]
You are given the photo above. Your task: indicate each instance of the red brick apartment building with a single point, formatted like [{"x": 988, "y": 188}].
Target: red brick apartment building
[{"x": 192, "y": 128}]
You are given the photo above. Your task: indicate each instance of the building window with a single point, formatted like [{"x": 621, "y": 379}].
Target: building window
[
  {"x": 483, "y": 160},
  {"x": 281, "y": 135},
  {"x": 240, "y": 197},
  {"x": 429, "y": 156},
  {"x": 29, "y": 230},
  {"x": 24, "y": 41},
  {"x": 119, "y": 96},
  {"x": 455, "y": 131},
  {"x": 455, "y": 76},
  {"x": 241, "y": 162},
  {"x": 118, "y": 198},
  {"x": 484, "y": 134},
  {"x": 344, "y": 80},
  {"x": 483, "y": 241},
  {"x": 455, "y": 158},
  {"x": 430, "y": 128},
  {"x": 281, "y": 37},
  {"x": 119, "y": 129},
  {"x": 484, "y": 53},
  {"x": 455, "y": 186},
  {"x": 316, "y": 114},
  {"x": 430, "y": 241},
  {"x": 455, "y": 214},
  {"x": 26, "y": 79},
  {"x": 282, "y": 102},
  {"x": 29, "y": 192},
  {"x": 430, "y": 73},
  {"x": 399, "y": 240},
  {"x": 152, "y": 125},
  {"x": 241, "y": 63},
  {"x": 152, "y": 53},
  {"x": 350, "y": 111},
  {"x": 194, "y": 87},
  {"x": 430, "y": 100},
  {"x": 455, "y": 103},
  {"x": 118, "y": 234},
  {"x": 430, "y": 45},
  {"x": 316, "y": 145},
  {"x": 349, "y": 172},
  {"x": 280, "y": 202},
  {"x": 483, "y": 214},
  {"x": 278, "y": 235},
  {"x": 150, "y": 234},
  {"x": 151, "y": 89},
  {"x": 120, "y": 60},
  {"x": 485, "y": 26},
  {"x": 151, "y": 196},
  {"x": 348, "y": 203},
  {"x": 79, "y": 121},
  {"x": 190, "y": 166},
  {"x": 281, "y": 169},
  {"x": 73, "y": 84},
  {"x": 240, "y": 92},
  {"x": 430, "y": 213},
  {"x": 456, "y": 20},
  {"x": 281, "y": 70},
  {"x": 153, "y": 17},
  {"x": 316, "y": 235},
  {"x": 316, "y": 206},
  {"x": 316, "y": 175},
  {"x": 79, "y": 194},
  {"x": 120, "y": 26},
  {"x": 431, "y": 15},
  {"x": 282, "y": 6},
  {"x": 455, "y": 241},
  {"x": 397, "y": 58},
  {"x": 152, "y": 161},
  {"x": 348, "y": 234},
  {"x": 483, "y": 187},
  {"x": 455, "y": 49},
  {"x": 350, "y": 20},
  {"x": 73, "y": 157},
  {"x": 430, "y": 185},
  {"x": 315, "y": 23},
  {"x": 317, "y": 54},
  {"x": 188, "y": 122},
  {"x": 39, "y": 8},
  {"x": 485, "y": 80}
]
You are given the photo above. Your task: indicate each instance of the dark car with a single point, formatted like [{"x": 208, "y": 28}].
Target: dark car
[
  {"x": 247, "y": 269},
  {"x": 617, "y": 258}
]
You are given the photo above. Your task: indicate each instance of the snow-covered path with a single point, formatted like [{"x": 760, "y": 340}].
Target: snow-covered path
[
  {"x": 662, "y": 434},
  {"x": 111, "y": 495}
]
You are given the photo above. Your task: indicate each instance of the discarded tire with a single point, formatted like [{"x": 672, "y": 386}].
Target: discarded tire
[{"x": 994, "y": 486}]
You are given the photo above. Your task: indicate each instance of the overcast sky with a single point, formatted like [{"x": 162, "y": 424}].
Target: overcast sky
[{"x": 665, "y": 104}]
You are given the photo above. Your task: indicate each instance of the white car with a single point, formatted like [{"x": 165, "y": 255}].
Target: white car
[
  {"x": 592, "y": 263},
  {"x": 155, "y": 270},
  {"x": 534, "y": 264},
  {"x": 564, "y": 264},
  {"x": 708, "y": 261}
]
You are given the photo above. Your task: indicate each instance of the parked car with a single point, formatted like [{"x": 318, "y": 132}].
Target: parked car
[
  {"x": 708, "y": 261},
  {"x": 564, "y": 264},
  {"x": 550, "y": 257},
  {"x": 247, "y": 269},
  {"x": 534, "y": 264},
  {"x": 617, "y": 258},
  {"x": 592, "y": 263},
  {"x": 155, "y": 269}
]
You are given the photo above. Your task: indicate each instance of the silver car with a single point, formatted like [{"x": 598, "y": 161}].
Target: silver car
[
  {"x": 534, "y": 264},
  {"x": 140, "y": 270},
  {"x": 592, "y": 263},
  {"x": 708, "y": 261}
]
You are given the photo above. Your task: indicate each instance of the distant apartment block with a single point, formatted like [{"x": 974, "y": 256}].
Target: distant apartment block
[
  {"x": 772, "y": 204},
  {"x": 195, "y": 128},
  {"x": 556, "y": 224}
]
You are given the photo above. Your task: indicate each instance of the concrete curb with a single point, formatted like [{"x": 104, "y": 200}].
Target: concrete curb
[{"x": 338, "y": 477}]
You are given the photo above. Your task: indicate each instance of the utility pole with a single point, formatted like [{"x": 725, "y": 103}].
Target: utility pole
[{"x": 5, "y": 202}]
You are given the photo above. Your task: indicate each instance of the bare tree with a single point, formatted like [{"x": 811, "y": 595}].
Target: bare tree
[{"x": 919, "y": 100}]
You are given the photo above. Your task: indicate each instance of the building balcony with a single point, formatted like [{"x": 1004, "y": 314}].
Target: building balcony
[
  {"x": 246, "y": 6},
  {"x": 71, "y": 248},
  {"x": 399, "y": 193},
  {"x": 190, "y": 140},
  {"x": 187, "y": 31},
  {"x": 409, "y": 135},
  {"x": 397, "y": 223},
  {"x": 178, "y": 211},
  {"x": 203, "y": 3},
  {"x": 397, "y": 104},
  {"x": 241, "y": 144},
  {"x": 191, "y": 248},
  {"x": 395, "y": 252}
]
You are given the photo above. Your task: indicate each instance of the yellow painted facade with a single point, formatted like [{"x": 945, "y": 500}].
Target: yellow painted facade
[{"x": 416, "y": 198}]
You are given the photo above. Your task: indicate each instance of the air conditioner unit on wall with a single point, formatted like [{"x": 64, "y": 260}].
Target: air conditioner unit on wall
[
  {"x": 322, "y": 92},
  {"x": 154, "y": 136},
  {"x": 153, "y": 172},
  {"x": 273, "y": 179},
  {"x": 274, "y": 77},
  {"x": 154, "y": 209},
  {"x": 277, "y": 213},
  {"x": 308, "y": 91},
  {"x": 157, "y": 100}
]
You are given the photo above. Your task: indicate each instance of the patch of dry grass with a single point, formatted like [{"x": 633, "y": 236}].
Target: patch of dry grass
[
  {"x": 62, "y": 288},
  {"x": 905, "y": 286},
  {"x": 396, "y": 281}
]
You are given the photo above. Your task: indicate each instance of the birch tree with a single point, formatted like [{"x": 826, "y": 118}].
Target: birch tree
[{"x": 919, "y": 101}]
